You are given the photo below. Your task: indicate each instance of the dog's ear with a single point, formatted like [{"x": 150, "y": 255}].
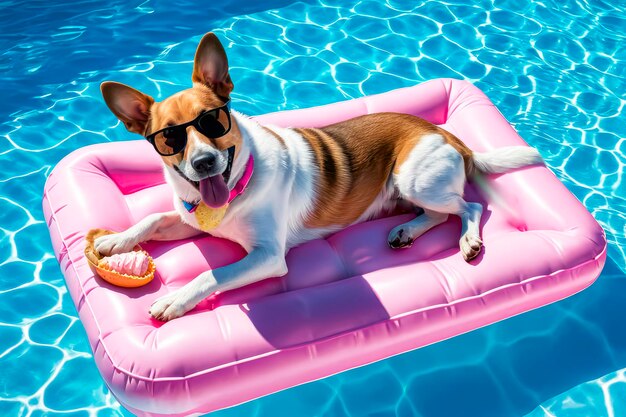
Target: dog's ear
[
  {"x": 210, "y": 66},
  {"x": 132, "y": 107}
]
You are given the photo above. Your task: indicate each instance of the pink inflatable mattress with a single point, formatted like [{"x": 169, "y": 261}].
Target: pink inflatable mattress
[{"x": 347, "y": 300}]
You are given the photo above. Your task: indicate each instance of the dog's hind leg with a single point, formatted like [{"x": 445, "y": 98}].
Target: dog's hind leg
[
  {"x": 433, "y": 177},
  {"x": 436, "y": 212},
  {"x": 402, "y": 236},
  {"x": 470, "y": 242},
  {"x": 470, "y": 214}
]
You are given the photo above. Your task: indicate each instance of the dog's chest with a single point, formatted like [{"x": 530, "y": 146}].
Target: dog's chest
[
  {"x": 234, "y": 229},
  {"x": 231, "y": 228}
]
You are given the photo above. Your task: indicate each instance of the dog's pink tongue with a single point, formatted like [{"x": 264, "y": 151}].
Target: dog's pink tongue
[{"x": 214, "y": 191}]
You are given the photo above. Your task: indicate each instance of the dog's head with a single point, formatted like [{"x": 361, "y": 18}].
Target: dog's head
[{"x": 192, "y": 130}]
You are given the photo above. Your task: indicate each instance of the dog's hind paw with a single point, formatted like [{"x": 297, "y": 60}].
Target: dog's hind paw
[
  {"x": 399, "y": 238},
  {"x": 471, "y": 246}
]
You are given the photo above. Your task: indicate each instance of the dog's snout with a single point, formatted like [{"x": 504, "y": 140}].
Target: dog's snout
[{"x": 203, "y": 164}]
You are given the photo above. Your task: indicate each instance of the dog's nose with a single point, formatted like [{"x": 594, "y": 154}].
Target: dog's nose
[{"x": 203, "y": 164}]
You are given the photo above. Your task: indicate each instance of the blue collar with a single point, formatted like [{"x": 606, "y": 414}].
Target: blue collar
[{"x": 191, "y": 207}]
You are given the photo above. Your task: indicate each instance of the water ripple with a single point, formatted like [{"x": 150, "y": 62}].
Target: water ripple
[{"x": 556, "y": 70}]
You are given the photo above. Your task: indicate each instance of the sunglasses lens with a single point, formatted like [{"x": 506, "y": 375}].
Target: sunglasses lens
[
  {"x": 214, "y": 123},
  {"x": 171, "y": 141}
]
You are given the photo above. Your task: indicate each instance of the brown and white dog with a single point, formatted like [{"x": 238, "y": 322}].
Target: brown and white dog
[{"x": 306, "y": 183}]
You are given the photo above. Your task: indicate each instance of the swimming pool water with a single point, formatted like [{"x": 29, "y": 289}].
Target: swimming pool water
[{"x": 555, "y": 69}]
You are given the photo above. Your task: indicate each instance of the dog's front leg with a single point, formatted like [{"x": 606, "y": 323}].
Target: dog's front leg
[
  {"x": 159, "y": 226},
  {"x": 262, "y": 262}
]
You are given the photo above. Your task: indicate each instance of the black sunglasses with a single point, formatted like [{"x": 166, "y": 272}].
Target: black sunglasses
[{"x": 212, "y": 123}]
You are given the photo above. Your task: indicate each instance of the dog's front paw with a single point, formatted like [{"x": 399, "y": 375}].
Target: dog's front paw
[
  {"x": 115, "y": 243},
  {"x": 171, "y": 306}
]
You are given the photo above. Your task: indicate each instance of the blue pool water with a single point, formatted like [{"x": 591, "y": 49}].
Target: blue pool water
[{"x": 555, "y": 69}]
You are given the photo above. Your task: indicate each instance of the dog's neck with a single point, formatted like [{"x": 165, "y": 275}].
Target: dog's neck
[{"x": 242, "y": 154}]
